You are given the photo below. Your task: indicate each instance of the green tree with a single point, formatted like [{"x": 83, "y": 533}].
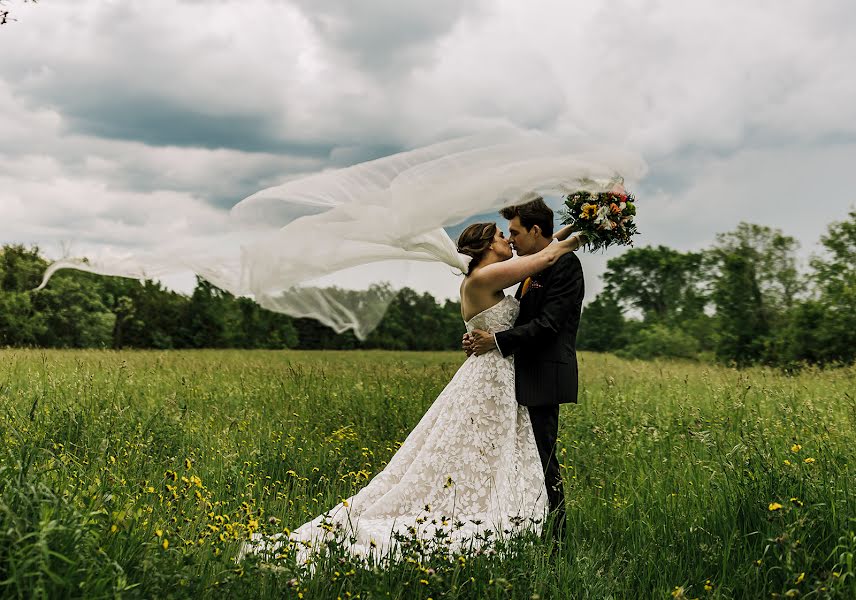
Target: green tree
[
  {"x": 147, "y": 314},
  {"x": 20, "y": 323},
  {"x": 312, "y": 335},
  {"x": 774, "y": 259},
  {"x": 669, "y": 291},
  {"x": 755, "y": 285},
  {"x": 20, "y": 271},
  {"x": 416, "y": 321},
  {"x": 834, "y": 315},
  {"x": 743, "y": 326},
  {"x": 602, "y": 325},
  {"x": 75, "y": 315},
  {"x": 21, "y": 268},
  {"x": 260, "y": 328},
  {"x": 663, "y": 284},
  {"x": 207, "y": 323}
]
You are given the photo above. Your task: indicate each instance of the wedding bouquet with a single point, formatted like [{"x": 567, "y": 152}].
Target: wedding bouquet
[{"x": 605, "y": 219}]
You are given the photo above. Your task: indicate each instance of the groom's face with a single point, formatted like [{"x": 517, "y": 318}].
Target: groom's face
[{"x": 522, "y": 241}]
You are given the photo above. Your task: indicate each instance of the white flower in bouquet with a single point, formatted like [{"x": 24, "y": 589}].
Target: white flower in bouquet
[{"x": 602, "y": 215}]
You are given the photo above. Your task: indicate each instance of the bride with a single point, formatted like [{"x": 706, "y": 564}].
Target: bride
[{"x": 470, "y": 469}]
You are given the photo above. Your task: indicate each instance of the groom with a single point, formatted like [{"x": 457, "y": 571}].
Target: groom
[{"x": 542, "y": 341}]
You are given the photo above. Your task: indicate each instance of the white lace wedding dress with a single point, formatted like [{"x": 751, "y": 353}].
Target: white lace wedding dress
[{"x": 468, "y": 467}]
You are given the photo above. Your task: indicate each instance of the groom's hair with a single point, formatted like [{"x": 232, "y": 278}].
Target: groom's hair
[{"x": 534, "y": 212}]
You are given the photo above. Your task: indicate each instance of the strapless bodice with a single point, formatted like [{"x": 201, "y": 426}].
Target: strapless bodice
[{"x": 499, "y": 317}]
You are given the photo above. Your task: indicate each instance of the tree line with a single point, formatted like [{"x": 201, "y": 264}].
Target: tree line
[
  {"x": 82, "y": 310},
  {"x": 742, "y": 301}
]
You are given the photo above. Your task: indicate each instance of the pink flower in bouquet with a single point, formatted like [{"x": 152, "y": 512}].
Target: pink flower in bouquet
[{"x": 618, "y": 190}]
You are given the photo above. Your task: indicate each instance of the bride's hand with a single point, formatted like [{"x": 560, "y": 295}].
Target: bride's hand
[
  {"x": 482, "y": 342},
  {"x": 563, "y": 233},
  {"x": 467, "y": 344},
  {"x": 571, "y": 244}
]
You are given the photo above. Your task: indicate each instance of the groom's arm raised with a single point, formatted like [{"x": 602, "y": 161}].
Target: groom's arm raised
[{"x": 564, "y": 289}]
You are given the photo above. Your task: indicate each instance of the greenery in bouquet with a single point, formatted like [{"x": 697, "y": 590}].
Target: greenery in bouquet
[{"x": 605, "y": 218}]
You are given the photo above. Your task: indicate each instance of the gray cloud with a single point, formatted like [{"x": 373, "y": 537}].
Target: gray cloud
[
  {"x": 125, "y": 115},
  {"x": 127, "y": 111},
  {"x": 385, "y": 37}
]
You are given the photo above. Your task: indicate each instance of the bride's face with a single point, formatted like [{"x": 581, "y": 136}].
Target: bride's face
[{"x": 500, "y": 245}]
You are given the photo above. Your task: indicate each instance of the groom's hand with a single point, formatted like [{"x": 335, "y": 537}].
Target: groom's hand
[{"x": 481, "y": 342}]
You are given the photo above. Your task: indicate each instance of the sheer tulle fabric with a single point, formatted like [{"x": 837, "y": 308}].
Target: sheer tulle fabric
[{"x": 302, "y": 247}]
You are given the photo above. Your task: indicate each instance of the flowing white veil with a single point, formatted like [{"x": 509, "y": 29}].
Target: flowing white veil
[{"x": 297, "y": 248}]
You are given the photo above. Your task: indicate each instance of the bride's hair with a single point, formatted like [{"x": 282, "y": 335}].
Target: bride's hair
[{"x": 475, "y": 240}]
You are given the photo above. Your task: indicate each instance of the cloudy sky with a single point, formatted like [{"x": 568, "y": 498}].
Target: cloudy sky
[{"x": 128, "y": 123}]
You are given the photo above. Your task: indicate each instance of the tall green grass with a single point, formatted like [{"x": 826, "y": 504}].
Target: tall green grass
[{"x": 138, "y": 474}]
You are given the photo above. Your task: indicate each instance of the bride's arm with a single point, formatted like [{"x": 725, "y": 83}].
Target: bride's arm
[
  {"x": 563, "y": 233},
  {"x": 501, "y": 275}
]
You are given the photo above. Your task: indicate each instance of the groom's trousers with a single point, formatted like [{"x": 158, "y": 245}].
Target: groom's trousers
[{"x": 545, "y": 425}]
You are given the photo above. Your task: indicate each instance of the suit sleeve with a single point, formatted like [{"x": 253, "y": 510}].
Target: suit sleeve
[{"x": 564, "y": 289}]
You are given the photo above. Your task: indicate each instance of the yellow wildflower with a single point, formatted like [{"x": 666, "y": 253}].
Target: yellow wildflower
[
  {"x": 774, "y": 506},
  {"x": 796, "y": 448},
  {"x": 808, "y": 461},
  {"x": 165, "y": 544}
]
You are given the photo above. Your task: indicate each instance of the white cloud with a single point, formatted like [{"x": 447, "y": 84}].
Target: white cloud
[{"x": 113, "y": 113}]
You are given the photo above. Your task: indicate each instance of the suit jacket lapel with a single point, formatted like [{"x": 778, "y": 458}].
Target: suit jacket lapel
[{"x": 543, "y": 280}]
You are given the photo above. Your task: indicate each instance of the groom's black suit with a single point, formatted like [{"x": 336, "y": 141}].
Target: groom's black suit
[{"x": 543, "y": 342}]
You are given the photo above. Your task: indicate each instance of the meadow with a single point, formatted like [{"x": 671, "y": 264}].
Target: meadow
[{"x": 139, "y": 473}]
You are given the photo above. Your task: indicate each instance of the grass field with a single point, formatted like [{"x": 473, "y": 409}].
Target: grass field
[{"x": 126, "y": 474}]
